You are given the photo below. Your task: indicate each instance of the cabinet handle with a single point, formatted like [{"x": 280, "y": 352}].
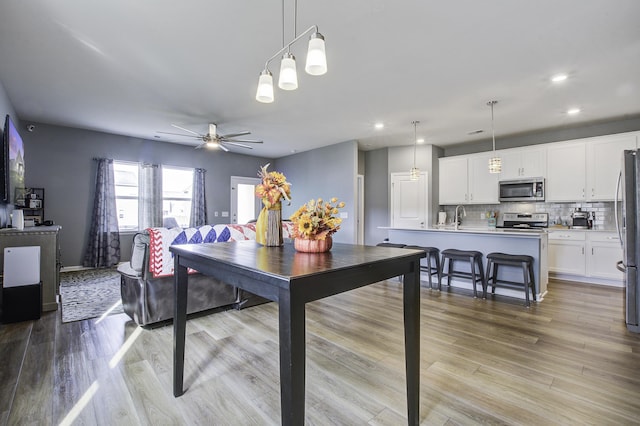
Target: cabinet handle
[
  {"x": 471, "y": 197},
  {"x": 582, "y": 250},
  {"x": 592, "y": 251},
  {"x": 582, "y": 192}
]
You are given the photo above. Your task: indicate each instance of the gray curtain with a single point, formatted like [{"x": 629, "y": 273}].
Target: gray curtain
[
  {"x": 198, "y": 201},
  {"x": 150, "y": 196},
  {"x": 103, "y": 249}
]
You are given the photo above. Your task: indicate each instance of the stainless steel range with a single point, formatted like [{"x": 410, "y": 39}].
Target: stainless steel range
[{"x": 525, "y": 221}]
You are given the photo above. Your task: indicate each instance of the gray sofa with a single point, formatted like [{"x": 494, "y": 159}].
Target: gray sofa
[{"x": 149, "y": 300}]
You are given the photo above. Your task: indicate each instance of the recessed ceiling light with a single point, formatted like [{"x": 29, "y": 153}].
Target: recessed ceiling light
[
  {"x": 558, "y": 78},
  {"x": 420, "y": 140},
  {"x": 573, "y": 111},
  {"x": 379, "y": 126}
]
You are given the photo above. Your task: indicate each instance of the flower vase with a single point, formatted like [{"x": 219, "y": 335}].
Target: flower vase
[
  {"x": 313, "y": 246},
  {"x": 274, "y": 226}
]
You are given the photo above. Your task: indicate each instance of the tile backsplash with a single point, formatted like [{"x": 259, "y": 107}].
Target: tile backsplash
[{"x": 559, "y": 213}]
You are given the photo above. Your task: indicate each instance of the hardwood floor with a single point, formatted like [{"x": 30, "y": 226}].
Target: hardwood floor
[{"x": 567, "y": 360}]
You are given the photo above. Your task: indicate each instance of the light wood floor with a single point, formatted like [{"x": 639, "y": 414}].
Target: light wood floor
[{"x": 568, "y": 360}]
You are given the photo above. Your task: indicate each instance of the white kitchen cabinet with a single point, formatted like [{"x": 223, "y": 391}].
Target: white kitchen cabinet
[
  {"x": 483, "y": 186},
  {"x": 566, "y": 172},
  {"x": 567, "y": 252},
  {"x": 453, "y": 180},
  {"x": 604, "y": 157},
  {"x": 519, "y": 163},
  {"x": 466, "y": 180},
  {"x": 603, "y": 252}
]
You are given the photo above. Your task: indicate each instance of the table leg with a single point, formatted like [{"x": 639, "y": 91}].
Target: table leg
[
  {"x": 292, "y": 358},
  {"x": 179, "y": 326},
  {"x": 411, "y": 297}
]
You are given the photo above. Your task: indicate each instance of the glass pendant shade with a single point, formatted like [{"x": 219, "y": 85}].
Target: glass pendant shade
[
  {"x": 288, "y": 76},
  {"x": 414, "y": 173},
  {"x": 316, "y": 56},
  {"x": 495, "y": 165},
  {"x": 265, "y": 87}
]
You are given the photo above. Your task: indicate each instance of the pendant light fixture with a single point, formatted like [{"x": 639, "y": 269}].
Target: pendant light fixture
[
  {"x": 288, "y": 80},
  {"x": 414, "y": 173},
  {"x": 495, "y": 162}
]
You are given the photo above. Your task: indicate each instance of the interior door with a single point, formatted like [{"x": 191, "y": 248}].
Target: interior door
[
  {"x": 408, "y": 201},
  {"x": 245, "y": 206}
]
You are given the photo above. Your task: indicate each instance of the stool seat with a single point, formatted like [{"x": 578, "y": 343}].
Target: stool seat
[
  {"x": 433, "y": 263},
  {"x": 494, "y": 260},
  {"x": 394, "y": 245},
  {"x": 474, "y": 258}
]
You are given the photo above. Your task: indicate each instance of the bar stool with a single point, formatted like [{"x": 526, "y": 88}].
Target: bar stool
[
  {"x": 393, "y": 245},
  {"x": 520, "y": 261},
  {"x": 474, "y": 258},
  {"x": 433, "y": 263}
]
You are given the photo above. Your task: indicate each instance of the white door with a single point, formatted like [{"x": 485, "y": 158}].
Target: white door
[
  {"x": 245, "y": 206},
  {"x": 408, "y": 201}
]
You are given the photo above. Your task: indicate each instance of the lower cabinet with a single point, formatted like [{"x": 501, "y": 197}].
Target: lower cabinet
[{"x": 588, "y": 254}]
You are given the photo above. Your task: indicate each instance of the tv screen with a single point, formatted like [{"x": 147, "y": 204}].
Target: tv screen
[{"x": 13, "y": 164}]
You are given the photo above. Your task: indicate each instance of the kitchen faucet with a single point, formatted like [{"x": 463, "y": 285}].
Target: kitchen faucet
[{"x": 456, "y": 218}]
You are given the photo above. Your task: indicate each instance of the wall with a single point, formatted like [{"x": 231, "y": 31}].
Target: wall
[
  {"x": 6, "y": 108},
  {"x": 324, "y": 173},
  {"x": 547, "y": 136},
  {"x": 376, "y": 195},
  {"x": 60, "y": 159}
]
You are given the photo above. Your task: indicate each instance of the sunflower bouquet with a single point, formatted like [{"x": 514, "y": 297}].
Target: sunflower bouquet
[{"x": 317, "y": 219}]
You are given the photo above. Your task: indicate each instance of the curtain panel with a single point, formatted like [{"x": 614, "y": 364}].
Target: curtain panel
[
  {"x": 198, "y": 201},
  {"x": 103, "y": 249},
  {"x": 150, "y": 196}
]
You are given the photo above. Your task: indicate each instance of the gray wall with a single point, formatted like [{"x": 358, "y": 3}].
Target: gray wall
[
  {"x": 324, "y": 173},
  {"x": 629, "y": 124},
  {"x": 6, "y": 108},
  {"x": 60, "y": 159},
  {"x": 376, "y": 195}
]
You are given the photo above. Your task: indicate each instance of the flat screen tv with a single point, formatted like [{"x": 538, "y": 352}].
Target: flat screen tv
[{"x": 13, "y": 162}]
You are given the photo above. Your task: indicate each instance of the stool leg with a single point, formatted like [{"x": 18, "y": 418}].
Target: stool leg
[
  {"x": 472, "y": 262},
  {"x": 439, "y": 272},
  {"x": 483, "y": 279},
  {"x": 429, "y": 269},
  {"x": 488, "y": 279},
  {"x": 532, "y": 281},
  {"x": 494, "y": 273},
  {"x": 525, "y": 277}
]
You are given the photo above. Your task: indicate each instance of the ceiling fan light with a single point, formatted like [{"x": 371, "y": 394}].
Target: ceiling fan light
[
  {"x": 288, "y": 76},
  {"x": 265, "y": 87},
  {"x": 213, "y": 145},
  {"x": 316, "y": 56}
]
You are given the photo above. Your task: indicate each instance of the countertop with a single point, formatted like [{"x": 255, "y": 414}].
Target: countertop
[{"x": 497, "y": 231}]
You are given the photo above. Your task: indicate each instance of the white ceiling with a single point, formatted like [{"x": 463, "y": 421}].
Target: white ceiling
[{"x": 134, "y": 67}]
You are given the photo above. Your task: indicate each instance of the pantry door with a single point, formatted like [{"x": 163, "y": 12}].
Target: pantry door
[{"x": 408, "y": 201}]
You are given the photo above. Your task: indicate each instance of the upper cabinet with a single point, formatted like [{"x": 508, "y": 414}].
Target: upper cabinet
[
  {"x": 604, "y": 159},
  {"x": 566, "y": 172},
  {"x": 521, "y": 163},
  {"x": 466, "y": 180},
  {"x": 587, "y": 169}
]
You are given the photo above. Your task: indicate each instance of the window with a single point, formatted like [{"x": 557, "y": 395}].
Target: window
[
  {"x": 177, "y": 185},
  {"x": 177, "y": 189},
  {"x": 126, "y": 182}
]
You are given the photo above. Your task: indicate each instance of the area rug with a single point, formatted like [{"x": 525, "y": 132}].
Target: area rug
[{"x": 89, "y": 294}]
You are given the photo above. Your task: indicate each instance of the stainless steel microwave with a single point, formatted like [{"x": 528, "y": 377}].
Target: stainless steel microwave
[{"x": 531, "y": 189}]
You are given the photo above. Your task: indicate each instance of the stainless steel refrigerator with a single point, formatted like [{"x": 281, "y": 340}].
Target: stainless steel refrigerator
[{"x": 628, "y": 225}]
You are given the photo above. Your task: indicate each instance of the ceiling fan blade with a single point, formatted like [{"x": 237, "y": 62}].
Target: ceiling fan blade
[
  {"x": 236, "y": 144},
  {"x": 186, "y": 130},
  {"x": 224, "y": 148},
  {"x": 242, "y": 140},
  {"x": 202, "y": 145},
  {"x": 233, "y": 135},
  {"x": 180, "y": 134}
]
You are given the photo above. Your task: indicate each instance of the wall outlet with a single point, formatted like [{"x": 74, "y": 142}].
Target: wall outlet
[{"x": 225, "y": 214}]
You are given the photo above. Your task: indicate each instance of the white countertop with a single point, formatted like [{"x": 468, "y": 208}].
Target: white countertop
[{"x": 527, "y": 233}]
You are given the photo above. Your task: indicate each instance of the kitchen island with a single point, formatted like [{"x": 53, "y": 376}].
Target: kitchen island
[{"x": 485, "y": 240}]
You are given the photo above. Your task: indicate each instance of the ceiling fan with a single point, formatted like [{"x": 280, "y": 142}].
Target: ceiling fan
[{"x": 213, "y": 140}]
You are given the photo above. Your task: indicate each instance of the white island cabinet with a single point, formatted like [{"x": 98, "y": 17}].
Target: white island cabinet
[{"x": 485, "y": 241}]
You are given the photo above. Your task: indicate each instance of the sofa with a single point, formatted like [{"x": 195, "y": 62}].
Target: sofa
[{"x": 147, "y": 282}]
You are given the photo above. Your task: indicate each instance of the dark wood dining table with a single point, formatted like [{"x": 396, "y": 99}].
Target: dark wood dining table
[{"x": 292, "y": 279}]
